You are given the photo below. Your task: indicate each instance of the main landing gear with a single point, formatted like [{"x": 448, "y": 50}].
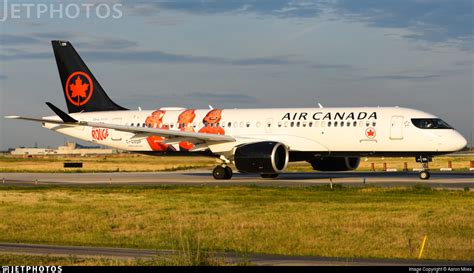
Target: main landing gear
[
  {"x": 221, "y": 172},
  {"x": 224, "y": 172},
  {"x": 425, "y": 171}
]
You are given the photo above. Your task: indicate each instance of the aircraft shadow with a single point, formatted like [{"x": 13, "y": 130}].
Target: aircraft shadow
[{"x": 336, "y": 175}]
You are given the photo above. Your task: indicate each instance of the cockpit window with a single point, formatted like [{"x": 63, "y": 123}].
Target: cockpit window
[{"x": 430, "y": 123}]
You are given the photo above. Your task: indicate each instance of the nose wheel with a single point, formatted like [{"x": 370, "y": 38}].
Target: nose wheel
[
  {"x": 222, "y": 172},
  {"x": 424, "y": 173}
]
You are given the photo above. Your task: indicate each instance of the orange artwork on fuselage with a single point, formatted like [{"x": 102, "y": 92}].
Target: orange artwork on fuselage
[
  {"x": 185, "y": 121},
  {"x": 211, "y": 123},
  {"x": 156, "y": 121}
]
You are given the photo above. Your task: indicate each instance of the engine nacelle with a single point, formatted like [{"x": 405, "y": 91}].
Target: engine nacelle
[
  {"x": 261, "y": 157},
  {"x": 335, "y": 164}
]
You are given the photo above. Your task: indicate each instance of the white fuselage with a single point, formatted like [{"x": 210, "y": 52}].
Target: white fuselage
[{"x": 364, "y": 131}]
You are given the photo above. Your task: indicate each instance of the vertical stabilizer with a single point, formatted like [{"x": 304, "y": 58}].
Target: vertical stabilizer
[{"x": 82, "y": 91}]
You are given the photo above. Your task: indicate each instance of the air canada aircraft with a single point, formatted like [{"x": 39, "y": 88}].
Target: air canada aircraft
[{"x": 260, "y": 141}]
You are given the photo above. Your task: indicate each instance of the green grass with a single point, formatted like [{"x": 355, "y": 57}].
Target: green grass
[{"x": 342, "y": 222}]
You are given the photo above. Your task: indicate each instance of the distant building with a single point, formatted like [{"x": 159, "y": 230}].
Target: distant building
[{"x": 69, "y": 148}]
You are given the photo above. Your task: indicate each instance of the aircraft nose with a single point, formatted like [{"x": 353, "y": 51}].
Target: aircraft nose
[{"x": 459, "y": 142}]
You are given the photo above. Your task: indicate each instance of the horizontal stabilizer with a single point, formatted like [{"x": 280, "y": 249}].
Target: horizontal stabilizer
[
  {"x": 65, "y": 117},
  {"x": 53, "y": 121}
]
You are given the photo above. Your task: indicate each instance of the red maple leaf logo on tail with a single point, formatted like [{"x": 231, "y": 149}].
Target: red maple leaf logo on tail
[{"x": 79, "y": 89}]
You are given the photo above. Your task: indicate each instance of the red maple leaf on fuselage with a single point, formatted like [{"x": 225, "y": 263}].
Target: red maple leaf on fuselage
[{"x": 78, "y": 88}]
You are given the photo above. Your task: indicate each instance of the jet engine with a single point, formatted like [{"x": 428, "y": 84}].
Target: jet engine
[
  {"x": 261, "y": 157},
  {"x": 335, "y": 163}
]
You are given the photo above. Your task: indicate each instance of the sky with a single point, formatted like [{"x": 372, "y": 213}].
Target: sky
[{"x": 243, "y": 54}]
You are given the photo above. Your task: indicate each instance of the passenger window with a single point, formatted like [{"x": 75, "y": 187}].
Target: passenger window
[
  {"x": 316, "y": 123},
  {"x": 335, "y": 124},
  {"x": 310, "y": 124},
  {"x": 304, "y": 123},
  {"x": 323, "y": 124},
  {"x": 279, "y": 124},
  {"x": 342, "y": 123},
  {"x": 229, "y": 124},
  {"x": 286, "y": 123},
  {"x": 298, "y": 124},
  {"x": 241, "y": 124},
  {"x": 292, "y": 124},
  {"x": 248, "y": 124},
  {"x": 374, "y": 123},
  {"x": 329, "y": 124},
  {"x": 355, "y": 124},
  {"x": 235, "y": 124},
  {"x": 132, "y": 124},
  {"x": 367, "y": 124}
]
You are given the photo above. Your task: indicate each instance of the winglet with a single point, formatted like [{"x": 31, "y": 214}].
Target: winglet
[{"x": 65, "y": 117}]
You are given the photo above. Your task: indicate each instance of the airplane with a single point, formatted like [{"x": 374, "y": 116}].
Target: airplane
[{"x": 258, "y": 141}]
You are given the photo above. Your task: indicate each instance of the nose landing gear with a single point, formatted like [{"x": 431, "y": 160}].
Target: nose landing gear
[{"x": 425, "y": 171}]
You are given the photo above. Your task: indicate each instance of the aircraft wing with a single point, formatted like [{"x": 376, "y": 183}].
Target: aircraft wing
[{"x": 139, "y": 131}]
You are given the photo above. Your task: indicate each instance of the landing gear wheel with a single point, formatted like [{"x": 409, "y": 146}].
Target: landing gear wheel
[
  {"x": 222, "y": 172},
  {"x": 424, "y": 175},
  {"x": 228, "y": 172},
  {"x": 219, "y": 172},
  {"x": 269, "y": 175}
]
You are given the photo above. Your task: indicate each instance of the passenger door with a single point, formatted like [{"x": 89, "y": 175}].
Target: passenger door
[{"x": 396, "y": 128}]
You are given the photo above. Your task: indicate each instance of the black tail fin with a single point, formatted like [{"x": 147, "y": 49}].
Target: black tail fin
[{"x": 82, "y": 91}]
